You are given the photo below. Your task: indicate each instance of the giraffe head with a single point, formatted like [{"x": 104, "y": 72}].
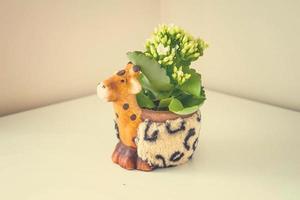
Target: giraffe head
[{"x": 121, "y": 84}]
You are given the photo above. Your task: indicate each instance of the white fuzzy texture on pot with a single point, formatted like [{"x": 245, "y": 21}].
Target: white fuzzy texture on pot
[{"x": 170, "y": 143}]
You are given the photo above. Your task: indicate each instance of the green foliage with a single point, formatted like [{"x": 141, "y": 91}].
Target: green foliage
[
  {"x": 144, "y": 100},
  {"x": 192, "y": 85},
  {"x": 167, "y": 80},
  {"x": 156, "y": 75},
  {"x": 177, "y": 107}
]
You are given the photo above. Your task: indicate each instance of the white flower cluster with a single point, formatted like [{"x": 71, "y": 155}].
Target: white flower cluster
[
  {"x": 179, "y": 76},
  {"x": 172, "y": 48},
  {"x": 171, "y": 45}
]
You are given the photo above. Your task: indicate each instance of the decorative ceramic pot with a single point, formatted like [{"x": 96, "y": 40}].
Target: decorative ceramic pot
[
  {"x": 148, "y": 139},
  {"x": 165, "y": 139}
]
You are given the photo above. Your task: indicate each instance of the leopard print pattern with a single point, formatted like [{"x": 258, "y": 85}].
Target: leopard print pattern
[{"x": 170, "y": 143}]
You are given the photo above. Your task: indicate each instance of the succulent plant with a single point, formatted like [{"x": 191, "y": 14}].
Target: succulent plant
[{"x": 168, "y": 81}]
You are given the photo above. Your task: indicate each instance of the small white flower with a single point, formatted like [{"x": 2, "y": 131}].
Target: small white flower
[{"x": 161, "y": 50}]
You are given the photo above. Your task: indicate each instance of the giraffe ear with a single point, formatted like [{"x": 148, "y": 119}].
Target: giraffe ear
[{"x": 135, "y": 86}]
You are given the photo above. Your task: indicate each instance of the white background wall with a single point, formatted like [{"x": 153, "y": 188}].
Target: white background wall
[
  {"x": 56, "y": 50},
  {"x": 254, "y": 45},
  {"x": 53, "y": 50}
]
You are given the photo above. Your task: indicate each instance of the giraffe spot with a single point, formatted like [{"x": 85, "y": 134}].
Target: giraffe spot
[
  {"x": 136, "y": 68},
  {"x": 133, "y": 117},
  {"x": 122, "y": 80},
  {"x": 125, "y": 106},
  {"x": 121, "y": 72}
]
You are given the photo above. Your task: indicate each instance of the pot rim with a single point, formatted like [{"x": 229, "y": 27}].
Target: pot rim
[{"x": 161, "y": 116}]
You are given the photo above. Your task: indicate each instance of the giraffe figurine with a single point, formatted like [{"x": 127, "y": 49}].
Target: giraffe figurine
[{"x": 121, "y": 89}]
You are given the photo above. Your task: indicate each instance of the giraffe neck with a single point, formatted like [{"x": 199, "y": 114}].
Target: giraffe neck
[
  {"x": 127, "y": 104},
  {"x": 128, "y": 115}
]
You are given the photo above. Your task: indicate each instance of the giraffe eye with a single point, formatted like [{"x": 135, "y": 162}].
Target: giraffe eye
[
  {"x": 121, "y": 72},
  {"x": 123, "y": 81}
]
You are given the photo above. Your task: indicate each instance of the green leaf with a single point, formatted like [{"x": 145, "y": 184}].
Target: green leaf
[
  {"x": 177, "y": 107},
  {"x": 148, "y": 86},
  {"x": 202, "y": 92},
  {"x": 156, "y": 75},
  {"x": 192, "y": 85},
  {"x": 188, "y": 110},
  {"x": 144, "y": 101},
  {"x": 190, "y": 100},
  {"x": 164, "y": 103}
]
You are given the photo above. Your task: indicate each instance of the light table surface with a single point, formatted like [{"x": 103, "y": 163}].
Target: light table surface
[{"x": 247, "y": 150}]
